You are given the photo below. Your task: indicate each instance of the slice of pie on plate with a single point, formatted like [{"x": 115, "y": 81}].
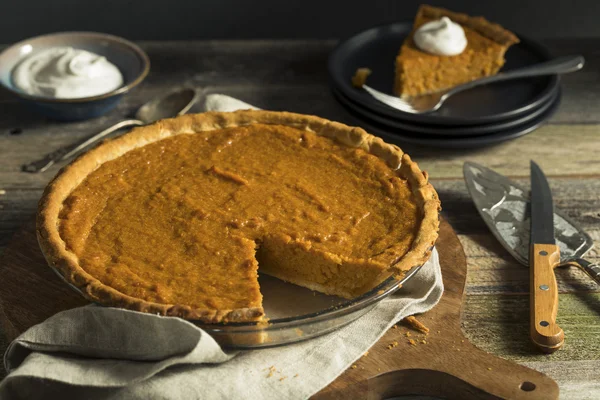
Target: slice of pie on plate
[
  {"x": 419, "y": 72},
  {"x": 177, "y": 217}
]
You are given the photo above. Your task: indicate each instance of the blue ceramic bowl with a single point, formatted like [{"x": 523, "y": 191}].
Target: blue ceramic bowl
[{"x": 129, "y": 58}]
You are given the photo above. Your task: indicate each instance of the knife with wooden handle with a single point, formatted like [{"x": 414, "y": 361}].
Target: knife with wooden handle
[{"x": 544, "y": 256}]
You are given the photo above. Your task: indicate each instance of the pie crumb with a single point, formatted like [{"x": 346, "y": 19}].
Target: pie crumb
[
  {"x": 489, "y": 368},
  {"x": 354, "y": 366},
  {"x": 272, "y": 370},
  {"x": 416, "y": 324},
  {"x": 366, "y": 354},
  {"x": 407, "y": 334},
  {"x": 282, "y": 378},
  {"x": 360, "y": 77},
  {"x": 423, "y": 341},
  {"x": 412, "y": 342},
  {"x": 395, "y": 327},
  {"x": 2, "y": 192},
  {"x": 295, "y": 376}
]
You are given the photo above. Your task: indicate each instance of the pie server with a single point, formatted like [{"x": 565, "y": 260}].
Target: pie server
[{"x": 505, "y": 208}]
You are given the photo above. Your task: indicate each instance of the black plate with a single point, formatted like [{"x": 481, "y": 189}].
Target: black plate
[
  {"x": 400, "y": 137},
  {"x": 441, "y": 130},
  {"x": 376, "y": 48}
]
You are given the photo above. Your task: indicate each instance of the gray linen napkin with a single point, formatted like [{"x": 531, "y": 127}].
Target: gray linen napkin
[{"x": 109, "y": 353}]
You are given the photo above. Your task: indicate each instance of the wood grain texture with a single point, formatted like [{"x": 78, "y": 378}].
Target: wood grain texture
[
  {"x": 31, "y": 291},
  {"x": 291, "y": 75},
  {"x": 546, "y": 145}
]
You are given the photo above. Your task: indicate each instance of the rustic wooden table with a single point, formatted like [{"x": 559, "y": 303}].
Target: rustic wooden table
[{"x": 291, "y": 75}]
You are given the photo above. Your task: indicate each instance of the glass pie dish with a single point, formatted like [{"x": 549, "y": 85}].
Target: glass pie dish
[{"x": 294, "y": 313}]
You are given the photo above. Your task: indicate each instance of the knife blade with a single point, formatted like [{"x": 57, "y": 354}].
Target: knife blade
[
  {"x": 544, "y": 256},
  {"x": 542, "y": 208},
  {"x": 504, "y": 207}
]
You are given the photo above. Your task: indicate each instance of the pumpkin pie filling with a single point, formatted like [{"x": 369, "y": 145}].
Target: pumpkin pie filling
[
  {"x": 182, "y": 223},
  {"x": 201, "y": 203}
]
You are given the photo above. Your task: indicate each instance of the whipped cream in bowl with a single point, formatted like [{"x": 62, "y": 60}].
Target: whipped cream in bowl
[
  {"x": 441, "y": 37},
  {"x": 72, "y": 76},
  {"x": 66, "y": 73}
]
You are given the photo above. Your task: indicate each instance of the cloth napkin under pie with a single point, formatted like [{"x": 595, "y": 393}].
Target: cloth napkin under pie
[{"x": 108, "y": 353}]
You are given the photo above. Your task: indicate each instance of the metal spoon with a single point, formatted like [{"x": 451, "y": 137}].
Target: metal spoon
[{"x": 171, "y": 105}]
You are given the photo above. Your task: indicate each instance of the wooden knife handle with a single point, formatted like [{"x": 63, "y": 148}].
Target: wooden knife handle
[{"x": 545, "y": 333}]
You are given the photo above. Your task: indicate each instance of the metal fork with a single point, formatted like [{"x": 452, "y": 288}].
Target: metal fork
[{"x": 430, "y": 102}]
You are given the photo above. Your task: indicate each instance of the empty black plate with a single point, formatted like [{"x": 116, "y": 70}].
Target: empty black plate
[
  {"x": 376, "y": 48},
  {"x": 401, "y": 137},
  {"x": 444, "y": 130}
]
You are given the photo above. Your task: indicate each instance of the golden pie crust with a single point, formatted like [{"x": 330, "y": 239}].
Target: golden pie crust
[
  {"x": 56, "y": 215},
  {"x": 486, "y": 28}
]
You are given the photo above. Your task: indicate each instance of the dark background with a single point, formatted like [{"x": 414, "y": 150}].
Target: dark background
[{"x": 308, "y": 19}]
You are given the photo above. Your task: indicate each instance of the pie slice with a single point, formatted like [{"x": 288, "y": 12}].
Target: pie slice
[
  {"x": 177, "y": 217},
  {"x": 419, "y": 72}
]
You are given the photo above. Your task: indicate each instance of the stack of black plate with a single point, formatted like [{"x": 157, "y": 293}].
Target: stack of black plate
[{"x": 481, "y": 116}]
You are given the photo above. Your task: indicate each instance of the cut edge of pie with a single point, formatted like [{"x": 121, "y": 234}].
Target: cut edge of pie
[{"x": 66, "y": 262}]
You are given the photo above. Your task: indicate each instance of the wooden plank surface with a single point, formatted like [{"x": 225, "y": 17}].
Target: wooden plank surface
[{"x": 291, "y": 75}]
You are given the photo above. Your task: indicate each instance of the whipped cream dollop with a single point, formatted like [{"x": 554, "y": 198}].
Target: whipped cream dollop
[
  {"x": 66, "y": 73},
  {"x": 441, "y": 37}
]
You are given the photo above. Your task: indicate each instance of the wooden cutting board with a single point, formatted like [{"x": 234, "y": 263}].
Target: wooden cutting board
[{"x": 447, "y": 365}]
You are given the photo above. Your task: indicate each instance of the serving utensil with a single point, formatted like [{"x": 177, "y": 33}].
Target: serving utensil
[
  {"x": 431, "y": 102},
  {"x": 544, "y": 256},
  {"x": 173, "y": 104},
  {"x": 505, "y": 208}
]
